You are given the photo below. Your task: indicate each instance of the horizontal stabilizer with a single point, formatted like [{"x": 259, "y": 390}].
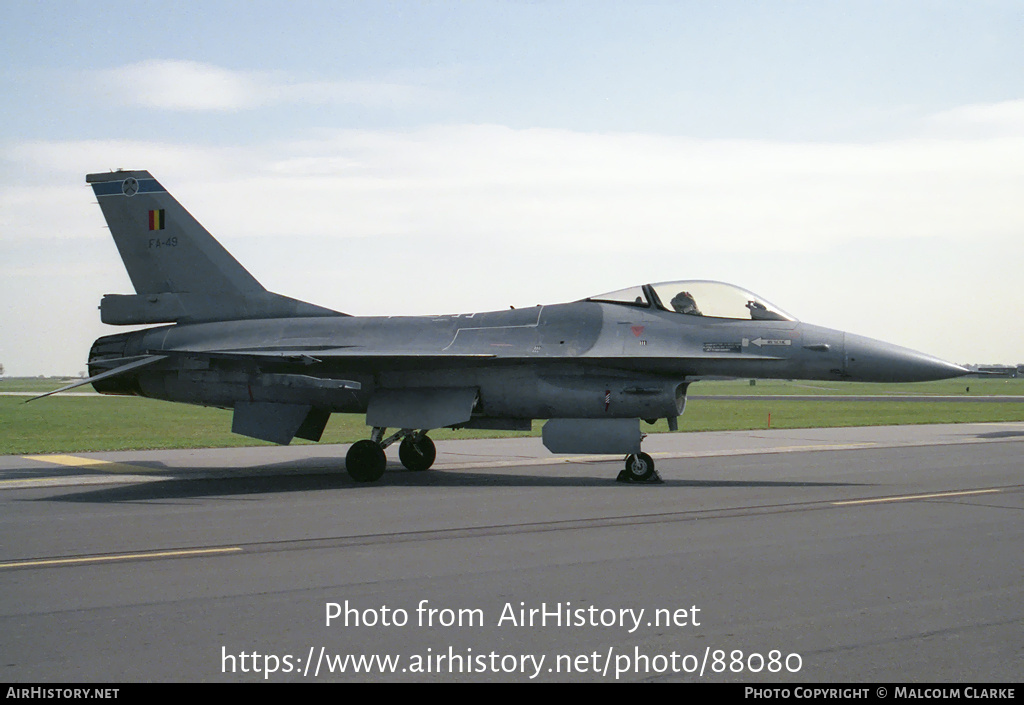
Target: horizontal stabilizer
[{"x": 141, "y": 362}]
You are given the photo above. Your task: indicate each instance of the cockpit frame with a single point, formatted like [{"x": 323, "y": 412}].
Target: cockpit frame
[{"x": 698, "y": 297}]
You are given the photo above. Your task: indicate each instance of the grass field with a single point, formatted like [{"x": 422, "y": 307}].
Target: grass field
[
  {"x": 77, "y": 424},
  {"x": 990, "y": 386}
]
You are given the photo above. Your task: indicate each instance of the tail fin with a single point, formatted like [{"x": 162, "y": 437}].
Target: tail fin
[{"x": 180, "y": 272}]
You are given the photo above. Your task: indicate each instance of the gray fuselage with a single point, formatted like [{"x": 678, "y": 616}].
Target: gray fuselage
[{"x": 581, "y": 360}]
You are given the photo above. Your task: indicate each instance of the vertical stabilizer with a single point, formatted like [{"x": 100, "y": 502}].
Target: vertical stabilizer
[
  {"x": 163, "y": 247},
  {"x": 179, "y": 271}
]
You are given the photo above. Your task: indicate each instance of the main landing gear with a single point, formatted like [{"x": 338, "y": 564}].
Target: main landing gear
[
  {"x": 365, "y": 461},
  {"x": 639, "y": 468}
]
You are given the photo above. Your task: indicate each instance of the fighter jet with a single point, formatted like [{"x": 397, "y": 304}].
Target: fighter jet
[{"x": 591, "y": 368}]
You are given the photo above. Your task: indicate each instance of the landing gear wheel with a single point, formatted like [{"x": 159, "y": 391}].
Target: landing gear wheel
[
  {"x": 365, "y": 461},
  {"x": 639, "y": 468},
  {"x": 417, "y": 455}
]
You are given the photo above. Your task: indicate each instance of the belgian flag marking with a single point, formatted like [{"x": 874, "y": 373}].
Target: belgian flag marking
[{"x": 157, "y": 220}]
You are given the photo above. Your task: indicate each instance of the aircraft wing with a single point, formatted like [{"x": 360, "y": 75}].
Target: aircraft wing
[
  {"x": 358, "y": 357},
  {"x": 310, "y": 356}
]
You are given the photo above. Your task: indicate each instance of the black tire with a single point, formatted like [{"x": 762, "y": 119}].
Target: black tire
[
  {"x": 417, "y": 456},
  {"x": 640, "y": 467},
  {"x": 365, "y": 461}
]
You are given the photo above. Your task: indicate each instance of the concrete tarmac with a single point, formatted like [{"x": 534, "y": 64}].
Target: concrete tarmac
[{"x": 880, "y": 554}]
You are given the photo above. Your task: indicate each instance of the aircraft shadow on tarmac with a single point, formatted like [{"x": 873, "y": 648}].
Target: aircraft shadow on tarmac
[
  {"x": 270, "y": 480},
  {"x": 1001, "y": 434}
]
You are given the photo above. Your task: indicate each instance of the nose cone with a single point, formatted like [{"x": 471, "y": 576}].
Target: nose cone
[{"x": 869, "y": 360}]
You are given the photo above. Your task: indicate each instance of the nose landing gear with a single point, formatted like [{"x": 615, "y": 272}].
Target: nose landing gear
[{"x": 639, "y": 468}]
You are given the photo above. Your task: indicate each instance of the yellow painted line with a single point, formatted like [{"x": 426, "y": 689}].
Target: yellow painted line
[
  {"x": 120, "y": 557},
  {"x": 73, "y": 481},
  {"x": 26, "y": 480},
  {"x": 483, "y": 462},
  {"x": 909, "y": 497},
  {"x": 78, "y": 462},
  {"x": 767, "y": 450}
]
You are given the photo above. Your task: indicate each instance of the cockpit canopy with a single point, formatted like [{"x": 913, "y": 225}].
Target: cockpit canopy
[{"x": 698, "y": 298}]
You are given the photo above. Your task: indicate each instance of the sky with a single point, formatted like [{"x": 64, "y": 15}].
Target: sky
[{"x": 859, "y": 164}]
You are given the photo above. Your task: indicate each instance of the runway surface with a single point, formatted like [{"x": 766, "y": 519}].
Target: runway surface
[{"x": 867, "y": 554}]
